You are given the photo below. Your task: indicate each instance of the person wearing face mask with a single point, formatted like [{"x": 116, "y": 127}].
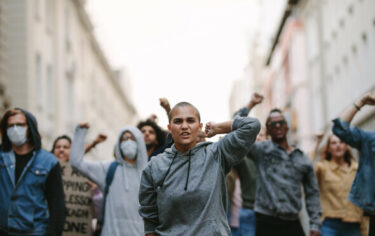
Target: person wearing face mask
[
  {"x": 121, "y": 204},
  {"x": 31, "y": 196}
]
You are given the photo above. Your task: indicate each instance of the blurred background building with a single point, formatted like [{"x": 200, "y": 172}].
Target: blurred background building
[
  {"x": 4, "y": 99},
  {"x": 313, "y": 61},
  {"x": 319, "y": 59},
  {"x": 57, "y": 70},
  {"x": 309, "y": 58}
]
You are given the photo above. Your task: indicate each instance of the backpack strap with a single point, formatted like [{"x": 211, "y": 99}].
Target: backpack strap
[
  {"x": 108, "y": 181},
  {"x": 109, "y": 177}
]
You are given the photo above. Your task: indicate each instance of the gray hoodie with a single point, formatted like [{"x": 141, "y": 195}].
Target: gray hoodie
[
  {"x": 185, "y": 193},
  {"x": 121, "y": 211}
]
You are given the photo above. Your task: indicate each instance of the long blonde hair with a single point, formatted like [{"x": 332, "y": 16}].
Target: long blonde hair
[{"x": 326, "y": 155}]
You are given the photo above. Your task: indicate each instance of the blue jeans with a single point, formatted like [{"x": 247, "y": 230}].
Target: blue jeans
[
  {"x": 235, "y": 231},
  {"x": 247, "y": 223},
  {"x": 335, "y": 227}
]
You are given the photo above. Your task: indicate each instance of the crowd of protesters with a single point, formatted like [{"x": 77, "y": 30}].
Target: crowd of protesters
[{"x": 252, "y": 181}]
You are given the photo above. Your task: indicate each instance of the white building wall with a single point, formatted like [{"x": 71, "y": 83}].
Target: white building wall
[
  {"x": 59, "y": 73},
  {"x": 16, "y": 40},
  {"x": 331, "y": 63},
  {"x": 348, "y": 52},
  {"x": 301, "y": 100},
  {"x": 4, "y": 99},
  {"x": 3, "y": 49}
]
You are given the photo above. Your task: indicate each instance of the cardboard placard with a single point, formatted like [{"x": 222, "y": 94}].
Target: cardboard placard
[{"x": 78, "y": 200}]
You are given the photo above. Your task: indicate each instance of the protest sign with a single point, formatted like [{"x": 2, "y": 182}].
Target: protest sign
[{"x": 78, "y": 200}]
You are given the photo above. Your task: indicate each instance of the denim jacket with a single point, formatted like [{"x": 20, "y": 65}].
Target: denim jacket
[
  {"x": 281, "y": 177},
  {"x": 23, "y": 206},
  {"x": 362, "y": 193}
]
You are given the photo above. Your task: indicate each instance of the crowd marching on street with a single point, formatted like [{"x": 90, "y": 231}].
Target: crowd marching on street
[{"x": 251, "y": 182}]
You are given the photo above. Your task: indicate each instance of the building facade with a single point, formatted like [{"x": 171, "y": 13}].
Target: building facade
[
  {"x": 286, "y": 84},
  {"x": 4, "y": 98},
  {"x": 319, "y": 62},
  {"x": 340, "y": 48},
  {"x": 58, "y": 71},
  {"x": 256, "y": 73}
]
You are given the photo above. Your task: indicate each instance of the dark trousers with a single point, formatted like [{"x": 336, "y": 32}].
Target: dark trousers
[
  {"x": 271, "y": 226},
  {"x": 372, "y": 226}
]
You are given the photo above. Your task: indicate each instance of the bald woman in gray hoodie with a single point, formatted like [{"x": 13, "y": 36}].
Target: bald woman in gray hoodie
[{"x": 183, "y": 190}]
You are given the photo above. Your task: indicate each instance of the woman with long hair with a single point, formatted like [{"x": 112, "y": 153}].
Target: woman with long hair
[{"x": 335, "y": 174}]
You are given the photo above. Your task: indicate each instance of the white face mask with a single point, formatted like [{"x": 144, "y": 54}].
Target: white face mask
[
  {"x": 129, "y": 149},
  {"x": 17, "y": 135}
]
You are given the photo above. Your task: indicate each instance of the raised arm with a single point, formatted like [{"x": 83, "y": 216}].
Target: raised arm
[
  {"x": 341, "y": 126},
  {"x": 256, "y": 99},
  {"x": 153, "y": 118},
  {"x": 213, "y": 129},
  {"x": 164, "y": 103},
  {"x": 242, "y": 132},
  {"x": 94, "y": 170},
  {"x": 99, "y": 139},
  {"x": 351, "y": 111},
  {"x": 318, "y": 140},
  {"x": 148, "y": 209}
]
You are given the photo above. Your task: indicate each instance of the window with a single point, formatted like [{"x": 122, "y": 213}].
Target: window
[
  {"x": 50, "y": 92},
  {"x": 351, "y": 9},
  {"x": 38, "y": 82},
  {"x": 69, "y": 93},
  {"x": 49, "y": 15},
  {"x": 366, "y": 62},
  {"x": 37, "y": 9},
  {"x": 67, "y": 27}
]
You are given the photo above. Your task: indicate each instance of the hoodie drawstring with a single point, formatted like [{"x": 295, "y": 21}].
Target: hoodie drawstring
[
  {"x": 126, "y": 178},
  {"x": 188, "y": 173},
  {"x": 169, "y": 168}
]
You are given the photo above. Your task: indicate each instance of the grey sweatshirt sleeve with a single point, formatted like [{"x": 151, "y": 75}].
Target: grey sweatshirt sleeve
[
  {"x": 94, "y": 170},
  {"x": 243, "y": 112},
  {"x": 312, "y": 198},
  {"x": 148, "y": 209},
  {"x": 254, "y": 151},
  {"x": 235, "y": 145}
]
